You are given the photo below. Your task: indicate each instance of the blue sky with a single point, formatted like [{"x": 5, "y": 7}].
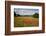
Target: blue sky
[{"x": 26, "y": 11}]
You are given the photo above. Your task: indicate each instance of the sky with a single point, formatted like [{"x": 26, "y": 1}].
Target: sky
[{"x": 26, "y": 11}]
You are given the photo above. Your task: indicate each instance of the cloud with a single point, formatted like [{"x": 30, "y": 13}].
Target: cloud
[{"x": 26, "y": 11}]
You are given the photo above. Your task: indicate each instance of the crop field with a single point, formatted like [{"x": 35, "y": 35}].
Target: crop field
[{"x": 25, "y": 21}]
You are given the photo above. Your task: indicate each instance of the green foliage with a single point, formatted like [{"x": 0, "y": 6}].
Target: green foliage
[
  {"x": 36, "y": 15},
  {"x": 16, "y": 14}
]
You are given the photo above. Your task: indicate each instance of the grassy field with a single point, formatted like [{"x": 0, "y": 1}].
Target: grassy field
[{"x": 25, "y": 21}]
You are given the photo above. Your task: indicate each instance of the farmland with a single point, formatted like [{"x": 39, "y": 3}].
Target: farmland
[{"x": 25, "y": 21}]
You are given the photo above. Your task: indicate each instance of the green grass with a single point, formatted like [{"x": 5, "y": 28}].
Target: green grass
[{"x": 20, "y": 21}]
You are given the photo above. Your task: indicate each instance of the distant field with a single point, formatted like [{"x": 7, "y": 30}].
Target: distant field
[{"x": 25, "y": 21}]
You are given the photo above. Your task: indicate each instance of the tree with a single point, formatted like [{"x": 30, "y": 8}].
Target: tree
[
  {"x": 17, "y": 15},
  {"x": 14, "y": 13},
  {"x": 36, "y": 15}
]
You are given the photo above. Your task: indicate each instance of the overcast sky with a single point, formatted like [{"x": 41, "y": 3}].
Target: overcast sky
[{"x": 24, "y": 11}]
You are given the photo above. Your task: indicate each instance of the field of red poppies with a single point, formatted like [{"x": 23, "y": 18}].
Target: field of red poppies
[{"x": 25, "y": 21}]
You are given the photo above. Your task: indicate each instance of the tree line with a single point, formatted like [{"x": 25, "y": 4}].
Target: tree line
[{"x": 36, "y": 15}]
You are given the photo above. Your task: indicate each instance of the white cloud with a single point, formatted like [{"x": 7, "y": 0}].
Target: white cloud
[{"x": 26, "y": 12}]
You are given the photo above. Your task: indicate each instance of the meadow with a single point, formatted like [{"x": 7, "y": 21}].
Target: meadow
[{"x": 25, "y": 21}]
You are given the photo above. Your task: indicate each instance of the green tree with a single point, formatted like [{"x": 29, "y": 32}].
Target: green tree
[
  {"x": 17, "y": 15},
  {"x": 14, "y": 13},
  {"x": 36, "y": 15}
]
